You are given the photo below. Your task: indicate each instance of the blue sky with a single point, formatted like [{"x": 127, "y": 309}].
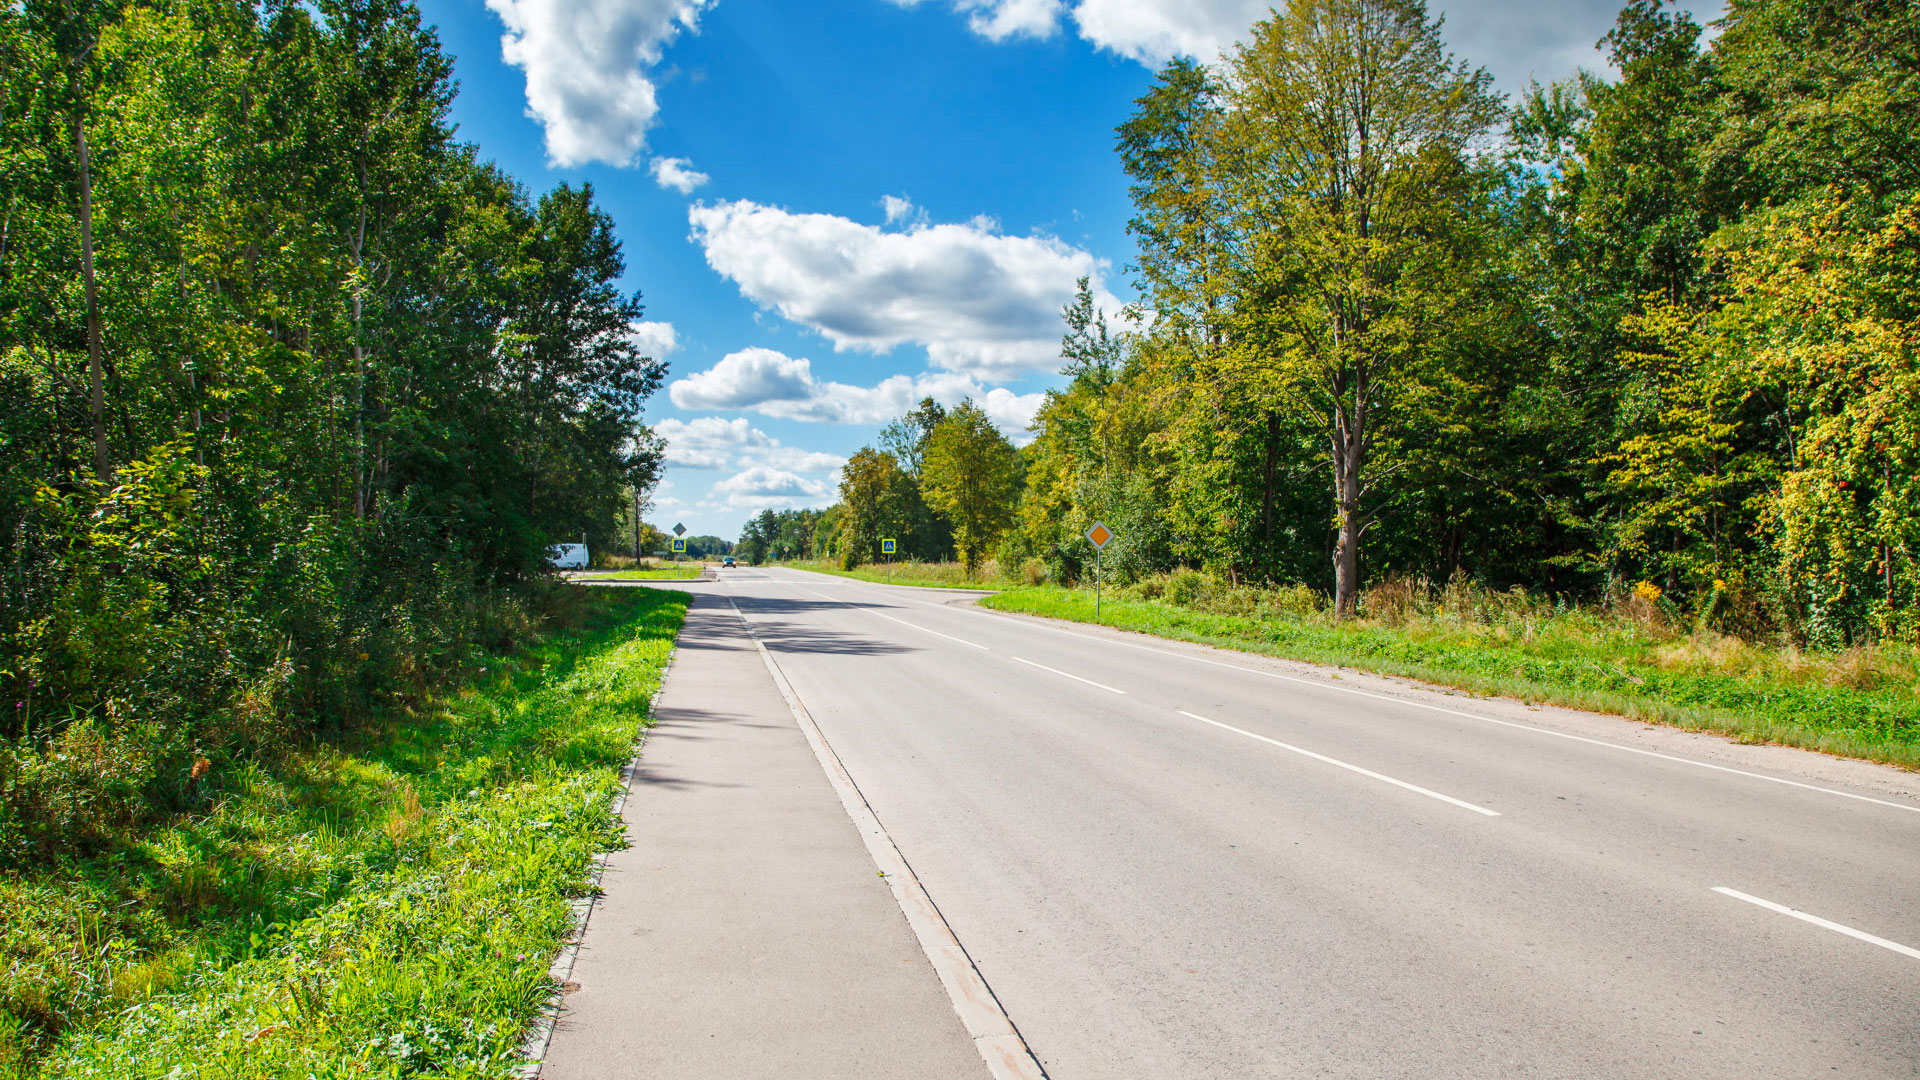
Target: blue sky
[{"x": 836, "y": 207}]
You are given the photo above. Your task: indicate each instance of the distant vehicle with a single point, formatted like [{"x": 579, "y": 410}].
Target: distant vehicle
[
  {"x": 726, "y": 562},
  {"x": 568, "y": 556}
]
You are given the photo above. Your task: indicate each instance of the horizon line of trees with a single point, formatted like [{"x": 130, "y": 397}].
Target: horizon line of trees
[
  {"x": 942, "y": 484},
  {"x": 1659, "y": 331}
]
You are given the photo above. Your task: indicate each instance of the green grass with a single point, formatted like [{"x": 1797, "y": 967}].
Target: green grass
[
  {"x": 947, "y": 575},
  {"x": 1864, "y": 704},
  {"x": 383, "y": 906},
  {"x": 676, "y": 572}
]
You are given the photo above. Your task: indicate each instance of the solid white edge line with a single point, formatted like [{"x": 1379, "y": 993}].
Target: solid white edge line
[
  {"x": 994, "y": 1036},
  {"x": 1464, "y": 805},
  {"x": 1818, "y": 921},
  {"x": 1068, "y": 675},
  {"x": 1009, "y": 617}
]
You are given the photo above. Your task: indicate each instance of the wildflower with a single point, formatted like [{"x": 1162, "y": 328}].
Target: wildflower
[
  {"x": 1719, "y": 585},
  {"x": 1647, "y": 591}
]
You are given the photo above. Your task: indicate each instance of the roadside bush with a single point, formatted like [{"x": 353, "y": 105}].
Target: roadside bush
[
  {"x": 410, "y": 875},
  {"x": 1297, "y": 600},
  {"x": 1185, "y": 586}
]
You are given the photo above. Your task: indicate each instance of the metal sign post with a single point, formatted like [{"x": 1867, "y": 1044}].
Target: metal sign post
[
  {"x": 1099, "y": 536},
  {"x": 887, "y": 548}
]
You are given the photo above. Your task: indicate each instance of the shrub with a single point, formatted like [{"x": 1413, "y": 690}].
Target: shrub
[
  {"x": 1184, "y": 586},
  {"x": 1394, "y": 600},
  {"x": 1298, "y": 599}
]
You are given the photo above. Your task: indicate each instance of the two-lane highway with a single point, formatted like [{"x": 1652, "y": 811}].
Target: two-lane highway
[{"x": 1175, "y": 862}]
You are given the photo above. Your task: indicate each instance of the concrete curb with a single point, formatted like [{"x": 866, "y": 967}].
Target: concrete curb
[
  {"x": 540, "y": 1033},
  {"x": 994, "y": 1036}
]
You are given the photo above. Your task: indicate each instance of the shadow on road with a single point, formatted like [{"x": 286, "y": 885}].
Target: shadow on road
[{"x": 791, "y": 636}]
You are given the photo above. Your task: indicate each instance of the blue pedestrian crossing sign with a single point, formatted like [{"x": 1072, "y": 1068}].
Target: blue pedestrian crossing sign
[
  {"x": 886, "y": 547},
  {"x": 679, "y": 545}
]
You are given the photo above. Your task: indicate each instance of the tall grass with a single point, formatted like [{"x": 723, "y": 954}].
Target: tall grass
[
  {"x": 1632, "y": 655},
  {"x": 384, "y": 904},
  {"x": 648, "y": 572},
  {"x": 931, "y": 575}
]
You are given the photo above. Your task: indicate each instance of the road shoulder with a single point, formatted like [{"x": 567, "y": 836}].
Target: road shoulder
[{"x": 1811, "y": 766}]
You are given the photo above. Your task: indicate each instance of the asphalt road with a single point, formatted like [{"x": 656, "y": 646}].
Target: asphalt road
[{"x": 1173, "y": 862}]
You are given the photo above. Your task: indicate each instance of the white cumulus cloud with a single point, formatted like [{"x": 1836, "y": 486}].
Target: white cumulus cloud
[
  {"x": 998, "y": 20},
  {"x": 586, "y": 64},
  {"x": 1012, "y": 413},
  {"x": 656, "y": 340},
  {"x": 1515, "y": 39},
  {"x": 772, "y": 383},
  {"x": 981, "y": 303},
  {"x": 762, "y": 488},
  {"x": 1154, "y": 31},
  {"x": 750, "y": 378},
  {"x": 711, "y": 442},
  {"x": 678, "y": 173}
]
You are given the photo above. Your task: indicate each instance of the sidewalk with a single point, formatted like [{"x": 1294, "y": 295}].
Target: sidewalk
[{"x": 746, "y": 933}]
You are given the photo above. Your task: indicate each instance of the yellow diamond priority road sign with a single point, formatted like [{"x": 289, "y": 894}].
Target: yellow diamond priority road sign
[{"x": 1099, "y": 534}]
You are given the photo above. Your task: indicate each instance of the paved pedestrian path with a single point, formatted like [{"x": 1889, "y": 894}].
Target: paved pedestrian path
[{"x": 746, "y": 933}]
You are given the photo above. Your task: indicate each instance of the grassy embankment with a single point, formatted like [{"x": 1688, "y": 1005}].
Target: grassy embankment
[
  {"x": 379, "y": 906},
  {"x": 670, "y": 572},
  {"x": 945, "y": 575},
  {"x": 1629, "y": 660}
]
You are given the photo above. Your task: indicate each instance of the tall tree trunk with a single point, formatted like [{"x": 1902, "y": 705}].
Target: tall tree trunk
[
  {"x": 96, "y": 373},
  {"x": 1346, "y": 550},
  {"x": 1266, "y": 492},
  {"x": 359, "y": 369},
  {"x": 1349, "y": 461}
]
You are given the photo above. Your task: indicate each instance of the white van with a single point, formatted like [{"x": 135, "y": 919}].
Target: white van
[{"x": 568, "y": 556}]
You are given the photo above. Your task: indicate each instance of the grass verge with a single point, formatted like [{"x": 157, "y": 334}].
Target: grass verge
[
  {"x": 383, "y": 906},
  {"x": 1577, "y": 659},
  {"x": 676, "y": 572},
  {"x": 949, "y": 575}
]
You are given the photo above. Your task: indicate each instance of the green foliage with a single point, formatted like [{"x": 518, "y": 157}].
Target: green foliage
[
  {"x": 1663, "y": 333},
  {"x": 294, "y": 392},
  {"x": 925, "y": 575},
  {"x": 971, "y": 475},
  {"x": 781, "y": 534},
  {"x": 385, "y": 903},
  {"x": 670, "y": 572},
  {"x": 877, "y": 501},
  {"x": 1627, "y": 658}
]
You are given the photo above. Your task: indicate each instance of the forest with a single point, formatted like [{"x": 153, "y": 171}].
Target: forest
[
  {"x": 1651, "y": 333},
  {"x": 295, "y": 392}
]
